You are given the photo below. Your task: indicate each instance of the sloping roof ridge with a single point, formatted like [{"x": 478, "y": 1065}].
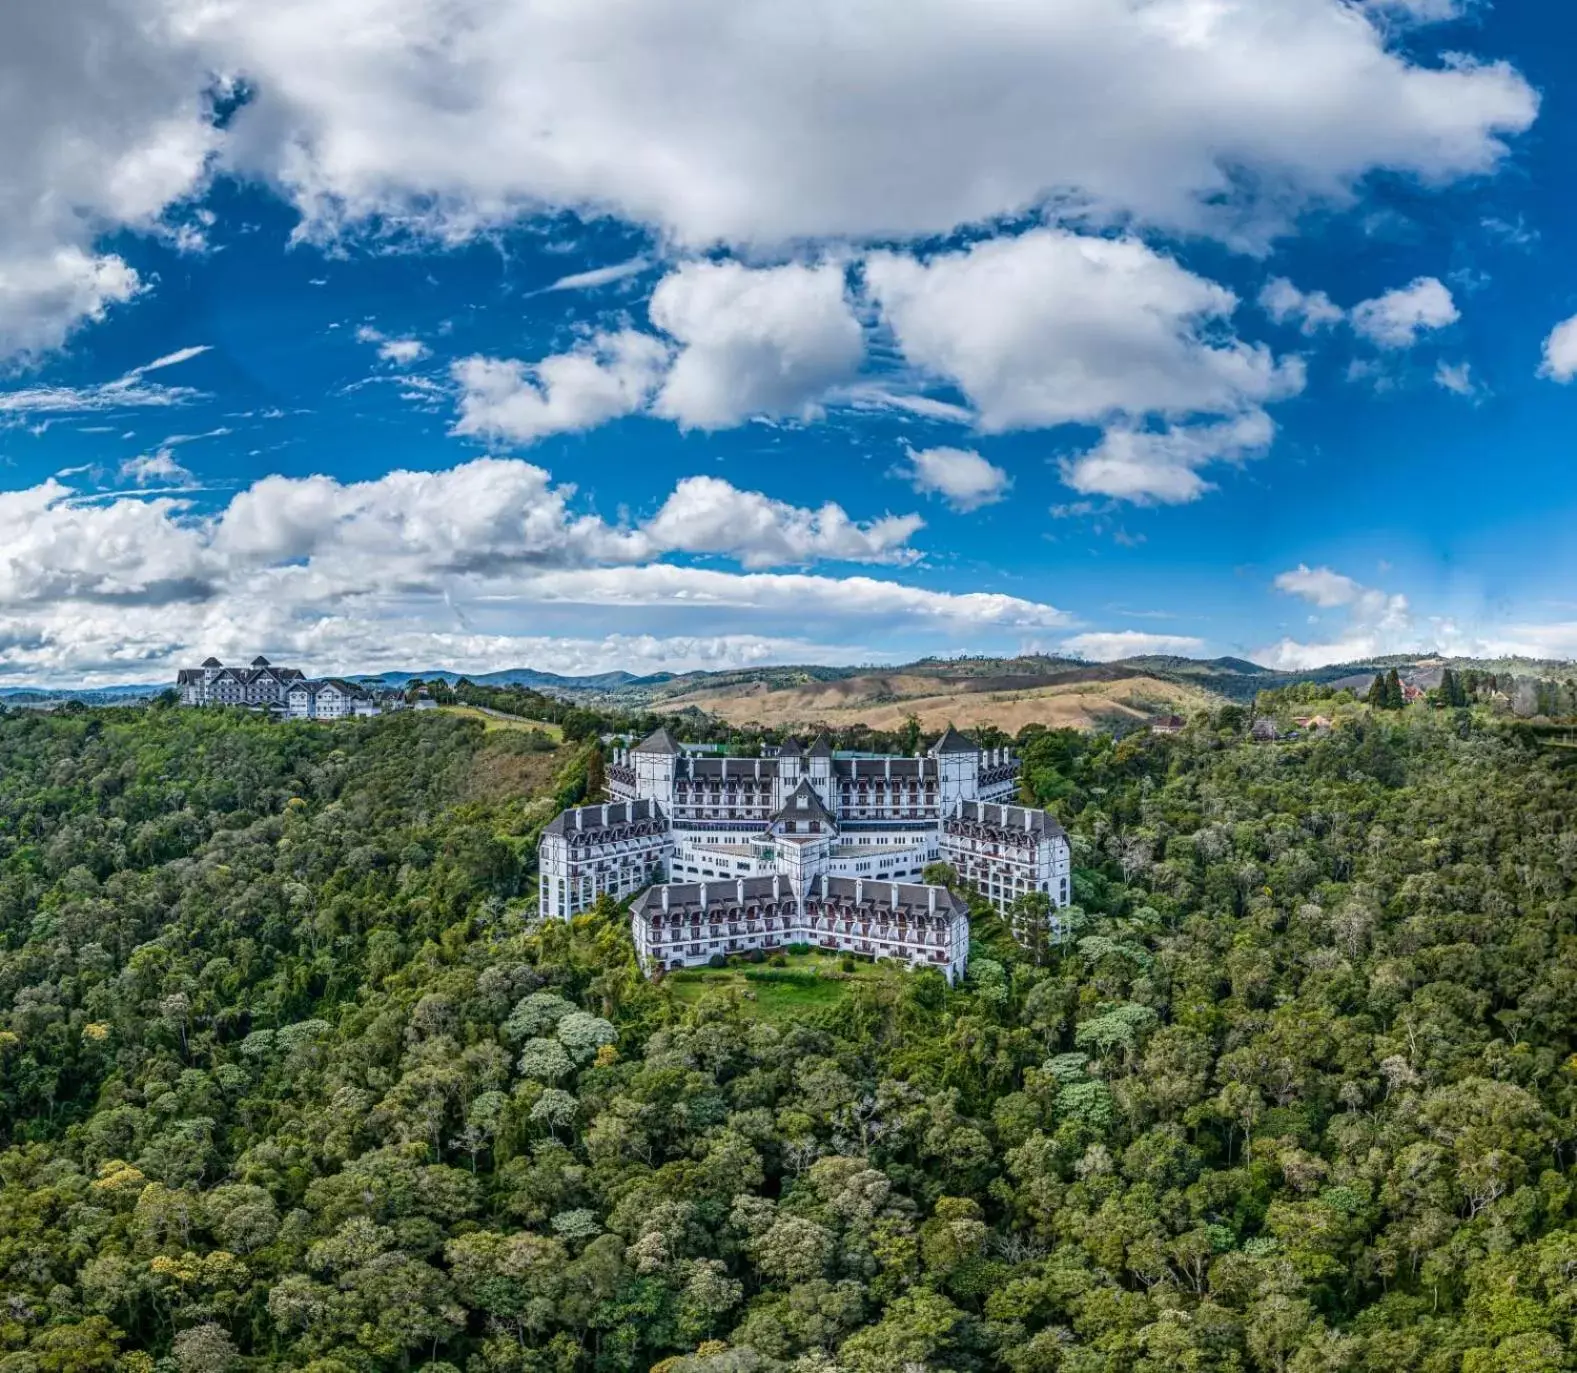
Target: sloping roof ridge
[{"x": 658, "y": 741}]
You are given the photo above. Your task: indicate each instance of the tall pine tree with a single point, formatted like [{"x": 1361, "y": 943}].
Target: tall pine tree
[
  {"x": 1394, "y": 700},
  {"x": 1376, "y": 696}
]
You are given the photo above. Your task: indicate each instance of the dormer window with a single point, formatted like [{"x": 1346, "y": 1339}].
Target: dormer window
[{"x": 801, "y": 801}]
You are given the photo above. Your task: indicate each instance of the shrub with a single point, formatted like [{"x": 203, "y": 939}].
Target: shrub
[
  {"x": 799, "y": 950},
  {"x": 717, "y": 961},
  {"x": 846, "y": 964},
  {"x": 757, "y": 956},
  {"x": 778, "y": 961}
]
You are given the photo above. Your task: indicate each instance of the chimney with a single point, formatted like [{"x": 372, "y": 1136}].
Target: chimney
[
  {"x": 933, "y": 900},
  {"x": 577, "y": 817},
  {"x": 665, "y": 899},
  {"x": 887, "y": 769},
  {"x": 895, "y": 896},
  {"x": 859, "y": 890},
  {"x": 741, "y": 891},
  {"x": 824, "y": 886},
  {"x": 605, "y": 816},
  {"x": 758, "y": 769},
  {"x": 703, "y": 898},
  {"x": 777, "y": 886}
]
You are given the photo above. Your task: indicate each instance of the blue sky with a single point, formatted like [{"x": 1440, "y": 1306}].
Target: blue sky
[{"x": 377, "y": 333}]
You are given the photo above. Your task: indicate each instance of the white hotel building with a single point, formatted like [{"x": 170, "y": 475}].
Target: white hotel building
[{"x": 807, "y": 847}]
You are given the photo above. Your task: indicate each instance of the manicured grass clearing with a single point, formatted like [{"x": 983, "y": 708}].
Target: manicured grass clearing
[
  {"x": 498, "y": 722},
  {"x": 777, "y": 993}
]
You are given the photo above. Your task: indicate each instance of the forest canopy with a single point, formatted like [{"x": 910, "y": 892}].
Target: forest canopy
[{"x": 289, "y": 1081}]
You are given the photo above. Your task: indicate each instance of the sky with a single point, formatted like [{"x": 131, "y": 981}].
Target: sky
[{"x": 677, "y": 334}]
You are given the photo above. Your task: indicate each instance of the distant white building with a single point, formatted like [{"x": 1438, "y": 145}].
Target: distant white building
[
  {"x": 214, "y": 684},
  {"x": 328, "y": 699},
  {"x": 866, "y": 825}
]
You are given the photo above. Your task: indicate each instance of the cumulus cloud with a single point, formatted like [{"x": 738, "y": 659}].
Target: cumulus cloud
[
  {"x": 93, "y": 144},
  {"x": 1109, "y": 646},
  {"x": 1054, "y": 327},
  {"x": 964, "y": 479},
  {"x": 708, "y": 515},
  {"x": 1560, "y": 352},
  {"x": 769, "y": 341},
  {"x": 336, "y": 569},
  {"x": 1162, "y": 466},
  {"x": 1311, "y": 311},
  {"x": 717, "y": 121},
  {"x": 1397, "y": 318},
  {"x": 1373, "y": 622},
  {"x": 724, "y": 120},
  {"x": 608, "y": 376}
]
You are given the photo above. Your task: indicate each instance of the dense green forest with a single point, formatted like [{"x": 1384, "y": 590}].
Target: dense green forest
[{"x": 287, "y": 1082}]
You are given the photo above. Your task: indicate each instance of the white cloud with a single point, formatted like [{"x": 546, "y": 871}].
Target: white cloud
[
  {"x": 378, "y": 573},
  {"x": 1053, "y": 327},
  {"x": 599, "y": 276},
  {"x": 709, "y": 120},
  {"x": 604, "y": 378},
  {"x": 1419, "y": 11},
  {"x": 727, "y": 120},
  {"x": 1456, "y": 378},
  {"x": 770, "y": 341},
  {"x": 1310, "y": 310},
  {"x": 402, "y": 352},
  {"x": 846, "y": 599},
  {"x": 159, "y": 466},
  {"x": 1374, "y": 622},
  {"x": 43, "y": 298},
  {"x": 708, "y": 515},
  {"x": 107, "y": 125},
  {"x": 174, "y": 359},
  {"x": 1322, "y": 586},
  {"x": 1560, "y": 352},
  {"x": 1109, "y": 646},
  {"x": 1162, "y": 467},
  {"x": 124, "y": 393},
  {"x": 1397, "y": 318},
  {"x": 964, "y": 479}
]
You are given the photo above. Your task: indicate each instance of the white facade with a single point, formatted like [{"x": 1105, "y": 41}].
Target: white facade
[
  {"x": 214, "y": 684},
  {"x": 685, "y": 924},
  {"x": 328, "y": 700},
  {"x": 805, "y": 816},
  {"x": 615, "y": 849}
]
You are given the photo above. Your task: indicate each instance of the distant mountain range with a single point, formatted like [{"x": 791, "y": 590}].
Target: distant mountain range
[{"x": 836, "y": 689}]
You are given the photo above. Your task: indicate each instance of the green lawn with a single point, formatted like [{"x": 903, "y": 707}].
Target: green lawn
[
  {"x": 810, "y": 982},
  {"x": 491, "y": 722}
]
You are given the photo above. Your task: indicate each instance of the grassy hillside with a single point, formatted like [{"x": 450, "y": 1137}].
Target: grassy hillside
[{"x": 1079, "y": 698}]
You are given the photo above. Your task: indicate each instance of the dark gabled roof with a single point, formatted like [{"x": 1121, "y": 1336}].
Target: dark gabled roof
[
  {"x": 804, "y": 804},
  {"x": 821, "y": 748},
  {"x": 1036, "y": 822},
  {"x": 954, "y": 742},
  {"x": 212, "y": 662},
  {"x": 607, "y": 817},
  {"x": 916, "y": 896},
  {"x": 790, "y": 748},
  {"x": 260, "y": 661},
  {"x": 658, "y": 741},
  {"x": 188, "y": 674}
]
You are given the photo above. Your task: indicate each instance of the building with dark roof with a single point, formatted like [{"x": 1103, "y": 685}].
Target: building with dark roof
[
  {"x": 808, "y": 814},
  {"x": 213, "y": 684},
  {"x": 683, "y": 924},
  {"x": 332, "y": 698}
]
